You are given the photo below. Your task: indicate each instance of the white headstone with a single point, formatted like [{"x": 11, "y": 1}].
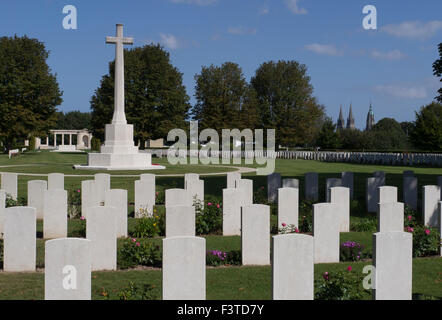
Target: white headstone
[
  {"x": 19, "y": 236},
  {"x": 372, "y": 193},
  {"x": 247, "y": 186},
  {"x": 331, "y": 183},
  {"x": 2, "y": 210},
  {"x": 255, "y": 233},
  {"x": 56, "y": 181},
  {"x": 430, "y": 200},
  {"x": 288, "y": 206},
  {"x": 232, "y": 177},
  {"x": 180, "y": 221},
  {"x": 410, "y": 191},
  {"x": 178, "y": 197},
  {"x": 290, "y": 183},
  {"x": 101, "y": 230},
  {"x": 55, "y": 208},
  {"x": 347, "y": 181},
  {"x": 392, "y": 258},
  {"x": 232, "y": 199},
  {"x": 184, "y": 268},
  {"x": 292, "y": 267},
  {"x": 196, "y": 189},
  {"x": 102, "y": 184},
  {"x": 89, "y": 197},
  {"x": 188, "y": 177},
  {"x": 341, "y": 197},
  {"x": 326, "y": 232},
  {"x": 144, "y": 195},
  {"x": 9, "y": 184},
  {"x": 311, "y": 186},
  {"x": 390, "y": 217},
  {"x": 387, "y": 194},
  {"x": 67, "y": 269},
  {"x": 117, "y": 198},
  {"x": 36, "y": 190},
  {"x": 273, "y": 184}
]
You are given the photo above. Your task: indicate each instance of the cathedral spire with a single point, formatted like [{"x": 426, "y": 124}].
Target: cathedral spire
[
  {"x": 341, "y": 121},
  {"x": 351, "y": 120},
  {"x": 370, "y": 119}
]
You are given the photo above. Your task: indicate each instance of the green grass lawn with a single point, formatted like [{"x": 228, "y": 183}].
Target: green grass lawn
[{"x": 224, "y": 282}]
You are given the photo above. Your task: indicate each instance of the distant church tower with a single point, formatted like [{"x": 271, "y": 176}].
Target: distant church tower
[
  {"x": 351, "y": 120},
  {"x": 370, "y": 119},
  {"x": 341, "y": 121}
]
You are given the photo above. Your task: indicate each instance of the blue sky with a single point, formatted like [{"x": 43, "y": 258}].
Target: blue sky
[{"x": 391, "y": 66}]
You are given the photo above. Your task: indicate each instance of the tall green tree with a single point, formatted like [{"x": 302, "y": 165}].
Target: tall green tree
[
  {"x": 224, "y": 98},
  {"x": 73, "y": 120},
  {"x": 427, "y": 132},
  {"x": 286, "y": 102},
  {"x": 437, "y": 68},
  {"x": 155, "y": 97},
  {"x": 328, "y": 138},
  {"x": 29, "y": 92},
  {"x": 389, "y": 135}
]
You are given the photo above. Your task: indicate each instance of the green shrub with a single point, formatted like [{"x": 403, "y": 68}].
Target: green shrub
[
  {"x": 339, "y": 286},
  {"x": 306, "y": 216},
  {"x": 426, "y": 241},
  {"x": 364, "y": 225},
  {"x": 32, "y": 144},
  {"x": 80, "y": 230},
  {"x": 150, "y": 226},
  {"x": 74, "y": 203},
  {"x": 260, "y": 196},
  {"x": 208, "y": 220},
  {"x": 134, "y": 291},
  {"x": 217, "y": 258},
  {"x": 11, "y": 202},
  {"x": 160, "y": 197},
  {"x": 95, "y": 144},
  {"x": 352, "y": 251},
  {"x": 138, "y": 253}
]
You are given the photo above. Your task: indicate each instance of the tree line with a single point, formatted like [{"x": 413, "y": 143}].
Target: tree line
[{"x": 278, "y": 96}]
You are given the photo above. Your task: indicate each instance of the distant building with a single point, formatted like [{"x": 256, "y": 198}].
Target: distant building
[
  {"x": 350, "y": 120},
  {"x": 341, "y": 122},
  {"x": 370, "y": 119}
]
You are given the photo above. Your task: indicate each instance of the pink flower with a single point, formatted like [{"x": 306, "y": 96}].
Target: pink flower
[
  {"x": 138, "y": 244},
  {"x": 283, "y": 224},
  {"x": 78, "y": 190},
  {"x": 209, "y": 203},
  {"x": 82, "y": 218},
  {"x": 349, "y": 268},
  {"x": 217, "y": 206},
  {"x": 409, "y": 229},
  {"x": 427, "y": 231},
  {"x": 325, "y": 275},
  {"x": 134, "y": 240},
  {"x": 156, "y": 193},
  {"x": 296, "y": 230},
  {"x": 410, "y": 218}
]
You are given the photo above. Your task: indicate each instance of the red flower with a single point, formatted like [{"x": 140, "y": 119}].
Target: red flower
[
  {"x": 427, "y": 232},
  {"x": 349, "y": 268},
  {"x": 283, "y": 224}
]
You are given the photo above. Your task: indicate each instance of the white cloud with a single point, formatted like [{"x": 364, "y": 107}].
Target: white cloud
[
  {"x": 324, "y": 49},
  {"x": 241, "y": 30},
  {"x": 388, "y": 55},
  {"x": 196, "y": 2},
  {"x": 401, "y": 91},
  {"x": 414, "y": 29},
  {"x": 169, "y": 41},
  {"x": 264, "y": 11},
  {"x": 294, "y": 7},
  {"x": 426, "y": 88}
]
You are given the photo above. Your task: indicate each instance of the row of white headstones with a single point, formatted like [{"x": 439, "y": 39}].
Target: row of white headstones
[{"x": 69, "y": 261}]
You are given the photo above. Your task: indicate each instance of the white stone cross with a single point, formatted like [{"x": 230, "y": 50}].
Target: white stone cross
[{"x": 119, "y": 115}]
